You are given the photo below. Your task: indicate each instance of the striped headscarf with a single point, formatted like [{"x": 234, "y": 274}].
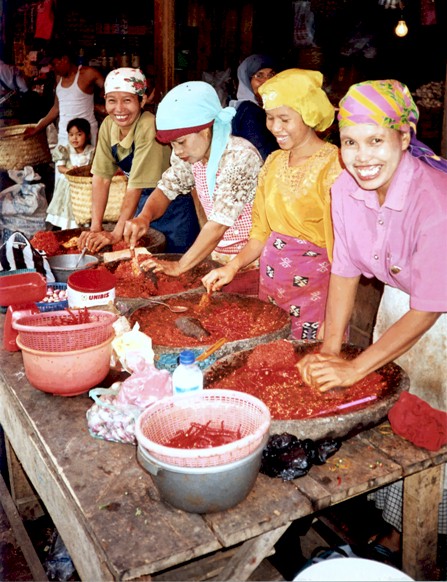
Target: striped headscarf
[
  {"x": 387, "y": 103},
  {"x": 189, "y": 108}
]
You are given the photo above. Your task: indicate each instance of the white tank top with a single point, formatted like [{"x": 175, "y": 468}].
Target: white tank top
[{"x": 74, "y": 103}]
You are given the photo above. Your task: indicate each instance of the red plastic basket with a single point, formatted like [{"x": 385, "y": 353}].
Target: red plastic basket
[
  {"x": 239, "y": 411},
  {"x": 53, "y": 332}
]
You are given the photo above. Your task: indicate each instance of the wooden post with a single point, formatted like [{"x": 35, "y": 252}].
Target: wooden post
[
  {"x": 420, "y": 522},
  {"x": 164, "y": 45}
]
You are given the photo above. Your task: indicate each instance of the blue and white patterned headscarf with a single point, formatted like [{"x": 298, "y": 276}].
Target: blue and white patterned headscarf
[{"x": 189, "y": 108}]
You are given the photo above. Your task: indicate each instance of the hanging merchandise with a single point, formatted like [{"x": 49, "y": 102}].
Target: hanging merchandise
[
  {"x": 428, "y": 13},
  {"x": 304, "y": 24},
  {"x": 45, "y": 20}
]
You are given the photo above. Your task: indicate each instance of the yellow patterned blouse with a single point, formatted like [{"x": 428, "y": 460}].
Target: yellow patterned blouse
[{"x": 296, "y": 200}]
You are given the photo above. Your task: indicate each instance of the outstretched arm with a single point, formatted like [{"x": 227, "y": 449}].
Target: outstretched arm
[
  {"x": 204, "y": 244},
  {"x": 327, "y": 370},
  {"x": 154, "y": 207},
  {"x": 51, "y": 116}
]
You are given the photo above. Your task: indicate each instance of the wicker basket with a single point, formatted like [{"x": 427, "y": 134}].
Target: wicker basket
[
  {"x": 81, "y": 195},
  {"x": 17, "y": 152}
]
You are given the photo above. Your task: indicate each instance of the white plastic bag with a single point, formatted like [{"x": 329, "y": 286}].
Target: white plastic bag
[
  {"x": 116, "y": 409},
  {"x": 23, "y": 206}
]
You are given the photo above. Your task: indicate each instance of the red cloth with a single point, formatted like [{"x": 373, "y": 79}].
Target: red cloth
[
  {"x": 44, "y": 20},
  {"x": 415, "y": 420}
]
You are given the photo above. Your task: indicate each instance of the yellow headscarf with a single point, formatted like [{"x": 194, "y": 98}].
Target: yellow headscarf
[{"x": 301, "y": 90}]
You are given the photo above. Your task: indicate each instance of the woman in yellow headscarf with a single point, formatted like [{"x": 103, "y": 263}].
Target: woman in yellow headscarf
[{"x": 291, "y": 223}]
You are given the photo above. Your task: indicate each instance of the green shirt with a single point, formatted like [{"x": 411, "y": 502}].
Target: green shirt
[{"x": 150, "y": 158}]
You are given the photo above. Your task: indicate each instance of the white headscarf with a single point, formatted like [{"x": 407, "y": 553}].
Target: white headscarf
[{"x": 127, "y": 80}]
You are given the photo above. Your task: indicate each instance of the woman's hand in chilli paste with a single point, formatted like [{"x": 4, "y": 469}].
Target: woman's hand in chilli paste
[
  {"x": 95, "y": 241},
  {"x": 134, "y": 229},
  {"x": 217, "y": 278},
  {"x": 325, "y": 372},
  {"x": 171, "y": 268}
]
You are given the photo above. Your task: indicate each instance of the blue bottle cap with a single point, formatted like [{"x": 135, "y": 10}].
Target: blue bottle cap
[{"x": 187, "y": 357}]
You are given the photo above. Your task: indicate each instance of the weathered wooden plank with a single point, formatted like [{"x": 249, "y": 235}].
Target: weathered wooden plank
[
  {"x": 402, "y": 452},
  {"x": 422, "y": 495},
  {"x": 22, "y": 492},
  {"x": 50, "y": 492},
  {"x": 21, "y": 534},
  {"x": 250, "y": 554},
  {"x": 271, "y": 504},
  {"x": 209, "y": 568},
  {"x": 356, "y": 468}
]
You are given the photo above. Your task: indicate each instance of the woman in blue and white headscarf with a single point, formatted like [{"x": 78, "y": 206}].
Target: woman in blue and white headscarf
[{"x": 221, "y": 167}]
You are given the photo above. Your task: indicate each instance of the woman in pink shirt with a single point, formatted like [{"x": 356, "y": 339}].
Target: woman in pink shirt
[{"x": 389, "y": 210}]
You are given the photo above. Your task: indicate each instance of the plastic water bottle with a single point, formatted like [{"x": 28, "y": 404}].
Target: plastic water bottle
[{"x": 187, "y": 377}]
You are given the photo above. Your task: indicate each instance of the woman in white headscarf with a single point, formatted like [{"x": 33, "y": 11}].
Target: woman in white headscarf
[
  {"x": 250, "y": 119},
  {"x": 126, "y": 142}
]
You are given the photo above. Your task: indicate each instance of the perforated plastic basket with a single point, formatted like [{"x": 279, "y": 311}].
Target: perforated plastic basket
[
  {"x": 44, "y": 306},
  {"x": 54, "y": 332},
  {"x": 238, "y": 411}
]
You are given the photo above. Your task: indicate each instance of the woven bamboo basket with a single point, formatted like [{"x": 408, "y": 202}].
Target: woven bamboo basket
[
  {"x": 80, "y": 180},
  {"x": 16, "y": 152}
]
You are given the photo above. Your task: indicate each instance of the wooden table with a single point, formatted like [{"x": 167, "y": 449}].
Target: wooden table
[{"x": 114, "y": 525}]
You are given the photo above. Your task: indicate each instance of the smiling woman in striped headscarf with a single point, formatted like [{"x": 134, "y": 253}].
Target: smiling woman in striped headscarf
[{"x": 389, "y": 211}]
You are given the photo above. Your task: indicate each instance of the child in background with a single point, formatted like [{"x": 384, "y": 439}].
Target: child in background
[{"x": 79, "y": 152}]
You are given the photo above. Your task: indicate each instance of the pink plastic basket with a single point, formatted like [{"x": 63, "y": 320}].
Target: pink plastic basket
[
  {"x": 238, "y": 411},
  {"x": 53, "y": 332}
]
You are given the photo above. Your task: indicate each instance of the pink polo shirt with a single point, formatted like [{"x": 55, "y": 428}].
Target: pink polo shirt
[{"x": 403, "y": 242}]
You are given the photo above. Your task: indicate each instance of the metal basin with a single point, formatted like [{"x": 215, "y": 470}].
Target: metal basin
[
  {"x": 333, "y": 426},
  {"x": 64, "y": 265},
  {"x": 203, "y": 489}
]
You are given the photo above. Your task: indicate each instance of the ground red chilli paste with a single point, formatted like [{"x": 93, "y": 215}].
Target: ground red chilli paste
[
  {"x": 129, "y": 285},
  {"x": 62, "y": 242},
  {"x": 269, "y": 372},
  {"x": 233, "y": 317}
]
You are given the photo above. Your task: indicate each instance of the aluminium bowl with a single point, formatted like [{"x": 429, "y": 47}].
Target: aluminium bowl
[{"x": 64, "y": 265}]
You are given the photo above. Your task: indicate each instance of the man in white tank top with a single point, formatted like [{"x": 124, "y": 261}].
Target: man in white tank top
[{"x": 74, "y": 94}]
